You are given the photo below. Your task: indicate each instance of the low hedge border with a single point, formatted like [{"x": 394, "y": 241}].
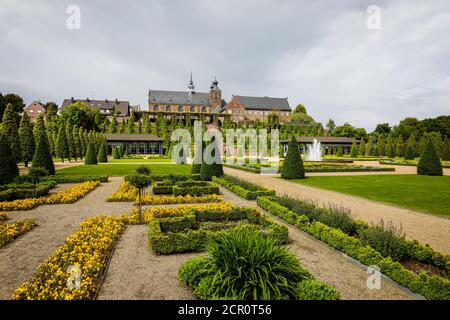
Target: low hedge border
[
  {"x": 393, "y": 163},
  {"x": 431, "y": 287},
  {"x": 77, "y": 179},
  {"x": 244, "y": 193},
  {"x": 184, "y": 188},
  {"x": 16, "y": 191},
  {"x": 355, "y": 169},
  {"x": 188, "y": 238},
  {"x": 175, "y": 177},
  {"x": 171, "y": 199}
]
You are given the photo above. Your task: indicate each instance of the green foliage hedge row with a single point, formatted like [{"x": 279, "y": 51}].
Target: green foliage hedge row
[
  {"x": 243, "y": 188},
  {"x": 175, "y": 177},
  {"x": 15, "y": 191},
  {"x": 183, "y": 188},
  {"x": 431, "y": 287},
  {"x": 170, "y": 235},
  {"x": 77, "y": 179}
]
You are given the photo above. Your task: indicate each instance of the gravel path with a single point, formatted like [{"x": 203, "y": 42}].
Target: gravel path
[
  {"x": 137, "y": 273},
  {"x": 330, "y": 265},
  {"x": 20, "y": 259},
  {"x": 420, "y": 226}
]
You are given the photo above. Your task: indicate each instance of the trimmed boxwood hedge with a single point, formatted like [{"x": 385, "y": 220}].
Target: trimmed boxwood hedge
[
  {"x": 168, "y": 235},
  {"x": 76, "y": 179},
  {"x": 243, "y": 188},
  {"x": 431, "y": 287},
  {"x": 15, "y": 191},
  {"x": 183, "y": 188}
]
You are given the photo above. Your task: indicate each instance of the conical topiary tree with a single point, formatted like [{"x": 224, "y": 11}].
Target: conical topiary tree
[
  {"x": 390, "y": 147},
  {"x": 354, "y": 150},
  {"x": 90, "y": 155},
  {"x": 293, "y": 164},
  {"x": 42, "y": 157},
  {"x": 116, "y": 152},
  {"x": 70, "y": 141},
  {"x": 102, "y": 157},
  {"x": 207, "y": 171},
  {"x": 429, "y": 163},
  {"x": 410, "y": 152},
  {"x": 26, "y": 139},
  {"x": 446, "y": 152},
  {"x": 11, "y": 132},
  {"x": 8, "y": 168}
]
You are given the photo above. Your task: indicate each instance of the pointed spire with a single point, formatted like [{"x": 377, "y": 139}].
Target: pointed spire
[{"x": 191, "y": 87}]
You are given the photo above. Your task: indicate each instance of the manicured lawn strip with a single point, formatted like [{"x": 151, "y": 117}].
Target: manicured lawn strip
[
  {"x": 431, "y": 287},
  {"x": 88, "y": 248},
  {"x": 242, "y": 187},
  {"x": 70, "y": 195},
  {"x": 422, "y": 193},
  {"x": 123, "y": 169},
  {"x": 151, "y": 160},
  {"x": 11, "y": 231}
]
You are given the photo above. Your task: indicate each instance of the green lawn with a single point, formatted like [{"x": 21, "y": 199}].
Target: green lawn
[
  {"x": 123, "y": 169},
  {"x": 422, "y": 193}
]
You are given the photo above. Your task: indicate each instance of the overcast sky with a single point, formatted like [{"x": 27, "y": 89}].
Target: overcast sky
[{"x": 318, "y": 53}]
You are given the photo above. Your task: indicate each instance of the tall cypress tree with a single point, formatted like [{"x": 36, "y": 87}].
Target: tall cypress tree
[
  {"x": 369, "y": 146},
  {"x": 113, "y": 126},
  {"x": 130, "y": 127},
  {"x": 122, "y": 126},
  {"x": 70, "y": 141},
  {"x": 362, "y": 148},
  {"x": 62, "y": 147},
  {"x": 207, "y": 171},
  {"x": 293, "y": 164},
  {"x": 26, "y": 139},
  {"x": 400, "y": 147},
  {"x": 82, "y": 142},
  {"x": 42, "y": 157},
  {"x": 8, "y": 168},
  {"x": 11, "y": 132},
  {"x": 76, "y": 143},
  {"x": 410, "y": 152},
  {"x": 390, "y": 147},
  {"x": 380, "y": 147},
  {"x": 39, "y": 127}
]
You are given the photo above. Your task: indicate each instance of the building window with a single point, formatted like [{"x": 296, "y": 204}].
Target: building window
[
  {"x": 155, "y": 108},
  {"x": 192, "y": 109},
  {"x": 180, "y": 108},
  {"x": 167, "y": 108},
  {"x": 204, "y": 109}
]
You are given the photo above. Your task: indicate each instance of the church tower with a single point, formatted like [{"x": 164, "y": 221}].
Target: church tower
[
  {"x": 191, "y": 87},
  {"x": 215, "y": 95}
]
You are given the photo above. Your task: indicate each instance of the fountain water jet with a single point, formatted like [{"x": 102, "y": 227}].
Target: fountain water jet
[{"x": 315, "y": 151}]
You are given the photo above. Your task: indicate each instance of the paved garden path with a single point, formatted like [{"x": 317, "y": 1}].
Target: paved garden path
[
  {"x": 137, "y": 273},
  {"x": 329, "y": 265},
  {"x": 423, "y": 227},
  {"x": 20, "y": 259}
]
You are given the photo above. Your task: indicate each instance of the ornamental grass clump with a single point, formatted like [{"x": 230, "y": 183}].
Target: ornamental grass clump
[{"x": 245, "y": 265}]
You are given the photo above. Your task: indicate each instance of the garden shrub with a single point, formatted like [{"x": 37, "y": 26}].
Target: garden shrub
[
  {"x": 76, "y": 179},
  {"x": 246, "y": 265},
  {"x": 116, "y": 153},
  {"x": 429, "y": 163},
  {"x": 90, "y": 155},
  {"x": 316, "y": 290},
  {"x": 15, "y": 191},
  {"x": 293, "y": 164},
  {"x": 143, "y": 169},
  {"x": 102, "y": 156},
  {"x": 177, "y": 224},
  {"x": 387, "y": 240},
  {"x": 8, "y": 169}
]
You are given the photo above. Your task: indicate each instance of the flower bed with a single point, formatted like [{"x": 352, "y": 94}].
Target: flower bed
[
  {"x": 243, "y": 188},
  {"x": 175, "y": 230},
  {"x": 172, "y": 199},
  {"x": 431, "y": 287},
  {"x": 11, "y": 231},
  {"x": 77, "y": 179},
  {"x": 88, "y": 249},
  {"x": 126, "y": 192},
  {"x": 71, "y": 195}
]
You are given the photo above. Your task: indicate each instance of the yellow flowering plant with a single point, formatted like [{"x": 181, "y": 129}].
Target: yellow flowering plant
[
  {"x": 70, "y": 195},
  {"x": 11, "y": 231},
  {"x": 126, "y": 192},
  {"x": 86, "y": 252}
]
